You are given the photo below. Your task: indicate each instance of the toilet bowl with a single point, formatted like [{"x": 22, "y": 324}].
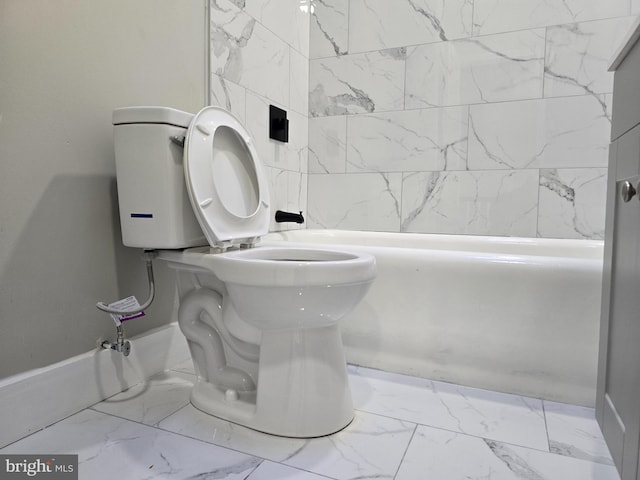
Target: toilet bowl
[{"x": 262, "y": 323}]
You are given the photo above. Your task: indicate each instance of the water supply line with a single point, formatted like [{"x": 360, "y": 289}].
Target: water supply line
[
  {"x": 149, "y": 255},
  {"x": 121, "y": 345}
]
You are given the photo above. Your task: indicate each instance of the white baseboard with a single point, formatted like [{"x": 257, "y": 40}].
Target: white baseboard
[{"x": 35, "y": 399}]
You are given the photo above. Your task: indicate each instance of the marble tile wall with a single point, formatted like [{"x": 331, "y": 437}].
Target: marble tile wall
[
  {"x": 259, "y": 55},
  {"x": 487, "y": 117}
]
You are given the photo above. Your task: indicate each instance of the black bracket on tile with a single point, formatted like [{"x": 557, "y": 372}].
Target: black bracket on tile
[{"x": 278, "y": 124}]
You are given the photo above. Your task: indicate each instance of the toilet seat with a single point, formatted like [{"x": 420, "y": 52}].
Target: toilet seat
[{"x": 225, "y": 181}]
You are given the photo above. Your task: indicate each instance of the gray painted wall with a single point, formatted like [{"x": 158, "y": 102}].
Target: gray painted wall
[{"x": 64, "y": 66}]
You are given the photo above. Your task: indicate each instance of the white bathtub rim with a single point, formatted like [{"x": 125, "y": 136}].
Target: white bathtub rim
[
  {"x": 542, "y": 247},
  {"x": 591, "y": 261}
]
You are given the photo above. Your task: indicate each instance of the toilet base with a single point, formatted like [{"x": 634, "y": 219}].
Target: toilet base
[{"x": 302, "y": 392}]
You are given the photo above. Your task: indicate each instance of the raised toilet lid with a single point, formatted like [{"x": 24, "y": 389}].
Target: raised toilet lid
[{"x": 225, "y": 180}]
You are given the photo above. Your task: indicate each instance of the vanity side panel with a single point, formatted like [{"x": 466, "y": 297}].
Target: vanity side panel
[{"x": 626, "y": 95}]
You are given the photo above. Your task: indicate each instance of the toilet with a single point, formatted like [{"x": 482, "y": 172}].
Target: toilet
[{"x": 261, "y": 322}]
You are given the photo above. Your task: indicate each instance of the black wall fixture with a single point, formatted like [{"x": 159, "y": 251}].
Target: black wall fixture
[{"x": 278, "y": 124}]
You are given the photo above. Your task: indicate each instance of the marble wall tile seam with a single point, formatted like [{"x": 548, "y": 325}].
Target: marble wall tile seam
[
  {"x": 245, "y": 51},
  {"x": 277, "y": 103},
  {"x": 569, "y": 132},
  {"x": 355, "y": 83},
  {"x": 466, "y": 170},
  {"x": 469, "y": 37},
  {"x": 577, "y": 56},
  {"x": 257, "y": 20},
  {"x": 553, "y": 25},
  {"x": 494, "y": 16},
  {"x": 303, "y": 89},
  {"x": 537, "y": 74},
  {"x": 224, "y": 98},
  {"x": 571, "y": 195},
  {"x": 286, "y": 170},
  {"x": 247, "y": 89},
  {"x": 326, "y": 32},
  {"x": 304, "y": 54},
  {"x": 458, "y": 105},
  {"x": 476, "y": 35}
]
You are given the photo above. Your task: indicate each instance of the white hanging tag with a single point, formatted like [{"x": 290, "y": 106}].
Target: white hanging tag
[{"x": 129, "y": 303}]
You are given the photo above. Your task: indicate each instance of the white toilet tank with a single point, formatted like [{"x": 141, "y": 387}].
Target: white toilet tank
[{"x": 155, "y": 211}]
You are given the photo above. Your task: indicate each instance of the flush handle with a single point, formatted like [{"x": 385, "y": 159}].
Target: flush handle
[{"x": 627, "y": 191}]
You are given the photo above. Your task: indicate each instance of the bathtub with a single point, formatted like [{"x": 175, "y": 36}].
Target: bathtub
[{"x": 516, "y": 315}]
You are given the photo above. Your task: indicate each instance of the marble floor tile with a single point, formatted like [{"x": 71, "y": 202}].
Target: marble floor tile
[
  {"x": 191, "y": 422},
  {"x": 497, "y": 416},
  {"x": 371, "y": 446},
  {"x": 405, "y": 428},
  {"x": 109, "y": 447},
  {"x": 151, "y": 401},
  {"x": 574, "y": 432},
  {"x": 185, "y": 367},
  {"x": 441, "y": 454},
  {"x": 272, "y": 471}
]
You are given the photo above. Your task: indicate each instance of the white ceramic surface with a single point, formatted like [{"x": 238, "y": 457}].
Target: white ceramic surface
[
  {"x": 477, "y": 310},
  {"x": 225, "y": 179},
  {"x": 288, "y": 301}
]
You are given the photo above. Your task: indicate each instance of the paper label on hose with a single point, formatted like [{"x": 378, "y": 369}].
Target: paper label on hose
[{"x": 129, "y": 303}]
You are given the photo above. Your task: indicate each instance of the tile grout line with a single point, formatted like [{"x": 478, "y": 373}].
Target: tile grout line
[
  {"x": 404, "y": 454},
  {"x": 546, "y": 427},
  {"x": 418, "y": 424}
]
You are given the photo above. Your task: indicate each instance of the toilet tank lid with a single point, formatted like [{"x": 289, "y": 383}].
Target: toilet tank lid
[{"x": 162, "y": 115}]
